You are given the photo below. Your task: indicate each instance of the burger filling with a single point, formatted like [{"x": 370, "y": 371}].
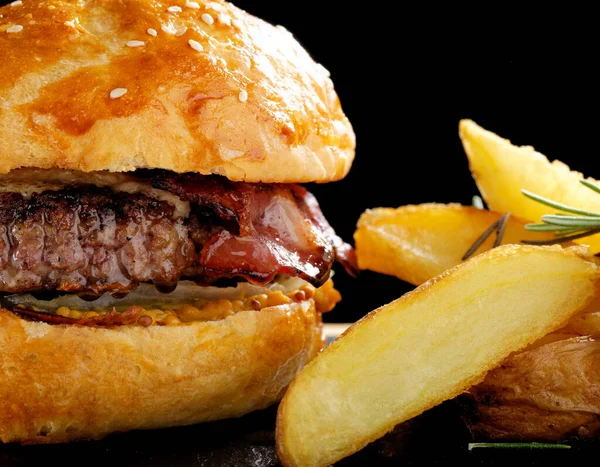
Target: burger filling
[{"x": 68, "y": 239}]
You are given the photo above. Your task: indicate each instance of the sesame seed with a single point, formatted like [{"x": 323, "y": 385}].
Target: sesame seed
[
  {"x": 14, "y": 28},
  {"x": 207, "y": 19},
  {"x": 197, "y": 46},
  {"x": 181, "y": 31},
  {"x": 117, "y": 92},
  {"x": 174, "y": 9},
  {"x": 70, "y": 23},
  {"x": 136, "y": 43},
  {"x": 236, "y": 23},
  {"x": 224, "y": 19},
  {"x": 192, "y": 5},
  {"x": 243, "y": 95},
  {"x": 152, "y": 32},
  {"x": 168, "y": 29},
  {"x": 215, "y": 6},
  {"x": 17, "y": 3}
]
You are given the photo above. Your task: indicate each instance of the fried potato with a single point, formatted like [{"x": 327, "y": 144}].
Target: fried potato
[
  {"x": 587, "y": 322},
  {"x": 550, "y": 392},
  {"x": 501, "y": 170},
  {"x": 428, "y": 346},
  {"x": 416, "y": 243}
]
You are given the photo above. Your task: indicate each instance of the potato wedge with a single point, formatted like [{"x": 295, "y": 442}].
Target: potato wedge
[
  {"x": 418, "y": 242},
  {"x": 501, "y": 170},
  {"x": 428, "y": 346}
]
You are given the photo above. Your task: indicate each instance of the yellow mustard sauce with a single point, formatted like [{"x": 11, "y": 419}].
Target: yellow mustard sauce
[{"x": 325, "y": 298}]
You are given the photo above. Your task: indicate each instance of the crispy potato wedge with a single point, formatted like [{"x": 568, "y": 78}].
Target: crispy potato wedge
[
  {"x": 418, "y": 242},
  {"x": 428, "y": 346},
  {"x": 501, "y": 170},
  {"x": 550, "y": 392}
]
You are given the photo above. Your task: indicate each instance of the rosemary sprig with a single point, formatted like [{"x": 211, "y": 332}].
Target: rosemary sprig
[
  {"x": 578, "y": 223},
  {"x": 566, "y": 227},
  {"x": 518, "y": 446}
]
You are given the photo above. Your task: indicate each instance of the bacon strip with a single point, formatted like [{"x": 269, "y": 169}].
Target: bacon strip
[
  {"x": 280, "y": 229},
  {"x": 112, "y": 318},
  {"x": 344, "y": 253}
]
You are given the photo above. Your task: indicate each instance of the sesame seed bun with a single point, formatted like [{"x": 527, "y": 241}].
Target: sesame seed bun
[{"x": 193, "y": 87}]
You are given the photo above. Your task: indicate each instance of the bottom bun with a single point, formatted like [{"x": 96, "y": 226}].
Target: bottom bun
[
  {"x": 550, "y": 392},
  {"x": 64, "y": 382}
]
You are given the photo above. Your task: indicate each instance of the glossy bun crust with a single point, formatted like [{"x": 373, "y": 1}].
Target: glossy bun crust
[
  {"x": 244, "y": 100},
  {"x": 62, "y": 382}
]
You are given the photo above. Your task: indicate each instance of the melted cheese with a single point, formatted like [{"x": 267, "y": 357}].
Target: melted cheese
[
  {"x": 148, "y": 297},
  {"x": 29, "y": 181},
  {"x": 192, "y": 303}
]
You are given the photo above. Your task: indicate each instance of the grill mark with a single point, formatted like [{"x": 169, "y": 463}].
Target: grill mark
[{"x": 89, "y": 240}]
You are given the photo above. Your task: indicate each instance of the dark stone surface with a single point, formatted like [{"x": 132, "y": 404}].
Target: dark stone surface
[{"x": 437, "y": 437}]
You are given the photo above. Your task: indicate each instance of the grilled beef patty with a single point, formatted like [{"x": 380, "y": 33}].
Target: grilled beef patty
[{"x": 91, "y": 239}]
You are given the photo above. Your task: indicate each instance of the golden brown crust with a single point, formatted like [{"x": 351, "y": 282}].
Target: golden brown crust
[
  {"x": 550, "y": 392},
  {"x": 251, "y": 105},
  {"x": 62, "y": 382}
]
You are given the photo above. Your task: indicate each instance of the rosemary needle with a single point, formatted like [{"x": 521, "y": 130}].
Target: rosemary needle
[
  {"x": 590, "y": 185},
  {"x": 499, "y": 227},
  {"x": 571, "y": 221},
  {"x": 547, "y": 228},
  {"x": 578, "y": 224},
  {"x": 482, "y": 238},
  {"x": 556, "y": 205},
  {"x": 562, "y": 239},
  {"x": 518, "y": 446}
]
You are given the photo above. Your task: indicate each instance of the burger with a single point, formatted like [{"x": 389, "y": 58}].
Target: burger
[{"x": 160, "y": 264}]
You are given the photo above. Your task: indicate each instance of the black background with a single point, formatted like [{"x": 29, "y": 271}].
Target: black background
[{"x": 405, "y": 78}]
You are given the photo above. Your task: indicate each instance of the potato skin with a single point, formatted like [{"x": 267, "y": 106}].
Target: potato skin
[{"x": 549, "y": 392}]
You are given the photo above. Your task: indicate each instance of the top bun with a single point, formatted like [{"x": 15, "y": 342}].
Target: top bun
[{"x": 207, "y": 88}]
